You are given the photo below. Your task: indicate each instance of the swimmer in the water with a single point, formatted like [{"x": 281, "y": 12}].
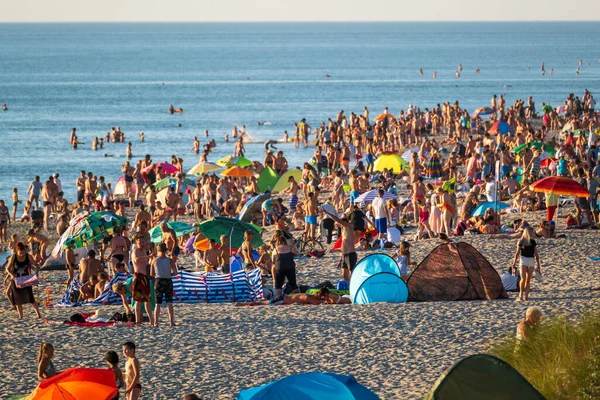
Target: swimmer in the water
[
  {"x": 142, "y": 137},
  {"x": 226, "y": 138},
  {"x": 434, "y": 75},
  {"x": 171, "y": 109},
  {"x": 4, "y": 107},
  {"x": 457, "y": 74},
  {"x": 108, "y": 155},
  {"x": 206, "y": 133},
  {"x": 270, "y": 143},
  {"x": 477, "y": 71},
  {"x": 261, "y": 123},
  {"x": 327, "y": 76},
  {"x": 420, "y": 71},
  {"x": 179, "y": 125}
]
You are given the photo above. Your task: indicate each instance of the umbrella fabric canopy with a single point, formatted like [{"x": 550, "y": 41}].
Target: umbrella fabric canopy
[
  {"x": 547, "y": 108},
  {"x": 567, "y": 127},
  {"x": 166, "y": 168},
  {"x": 237, "y": 172},
  {"x": 180, "y": 228},
  {"x": 407, "y": 155},
  {"x": 203, "y": 167},
  {"x": 93, "y": 226},
  {"x": 482, "y": 208},
  {"x": 310, "y": 386},
  {"x": 282, "y": 182},
  {"x": 230, "y": 161},
  {"x": 232, "y": 227},
  {"x": 77, "y": 384},
  {"x": 578, "y": 132},
  {"x": 120, "y": 187},
  {"x": 561, "y": 109},
  {"x": 501, "y": 127},
  {"x": 483, "y": 111},
  {"x": 383, "y": 116},
  {"x": 371, "y": 195},
  {"x": 251, "y": 204},
  {"x": 546, "y": 163},
  {"x": 538, "y": 145},
  {"x": 267, "y": 179},
  {"x": 560, "y": 186},
  {"x": 163, "y": 183},
  {"x": 392, "y": 162}
]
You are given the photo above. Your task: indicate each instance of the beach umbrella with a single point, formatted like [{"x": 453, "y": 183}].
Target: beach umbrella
[
  {"x": 561, "y": 109},
  {"x": 383, "y": 116},
  {"x": 310, "y": 386},
  {"x": 267, "y": 179},
  {"x": 232, "y": 227},
  {"x": 434, "y": 168},
  {"x": 392, "y": 162},
  {"x": 237, "y": 172},
  {"x": 230, "y": 161},
  {"x": 251, "y": 204},
  {"x": 120, "y": 187},
  {"x": 500, "y": 127},
  {"x": 407, "y": 155},
  {"x": 165, "y": 182},
  {"x": 282, "y": 182},
  {"x": 165, "y": 167},
  {"x": 372, "y": 195},
  {"x": 483, "y": 111},
  {"x": 482, "y": 208},
  {"x": 77, "y": 384},
  {"x": 567, "y": 127},
  {"x": 560, "y": 186},
  {"x": 537, "y": 145},
  {"x": 583, "y": 132},
  {"x": 546, "y": 162},
  {"x": 547, "y": 108},
  {"x": 203, "y": 167},
  {"x": 180, "y": 228},
  {"x": 94, "y": 227}
]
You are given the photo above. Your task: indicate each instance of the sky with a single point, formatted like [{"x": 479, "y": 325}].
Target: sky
[{"x": 296, "y": 10}]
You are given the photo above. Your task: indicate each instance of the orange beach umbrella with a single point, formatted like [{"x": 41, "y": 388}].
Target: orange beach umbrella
[
  {"x": 383, "y": 116},
  {"x": 237, "y": 172},
  {"x": 77, "y": 384}
]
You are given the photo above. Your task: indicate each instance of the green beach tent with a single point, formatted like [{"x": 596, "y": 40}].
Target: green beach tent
[
  {"x": 267, "y": 180},
  {"x": 482, "y": 376},
  {"x": 282, "y": 182}
]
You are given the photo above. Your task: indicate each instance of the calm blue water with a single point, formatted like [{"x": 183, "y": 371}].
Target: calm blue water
[{"x": 93, "y": 76}]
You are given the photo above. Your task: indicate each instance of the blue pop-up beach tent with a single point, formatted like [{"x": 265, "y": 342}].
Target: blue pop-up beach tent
[
  {"x": 310, "y": 386},
  {"x": 376, "y": 279}
]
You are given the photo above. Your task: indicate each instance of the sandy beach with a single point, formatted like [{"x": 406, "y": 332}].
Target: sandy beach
[{"x": 397, "y": 350}]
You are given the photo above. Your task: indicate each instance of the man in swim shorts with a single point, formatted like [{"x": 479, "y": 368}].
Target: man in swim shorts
[
  {"x": 381, "y": 214},
  {"x": 141, "y": 285},
  {"x": 310, "y": 208},
  {"x": 293, "y": 192}
]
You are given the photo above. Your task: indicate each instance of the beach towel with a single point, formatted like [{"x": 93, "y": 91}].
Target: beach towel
[{"x": 108, "y": 297}]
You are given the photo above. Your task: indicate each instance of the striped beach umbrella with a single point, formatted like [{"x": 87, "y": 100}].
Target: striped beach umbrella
[
  {"x": 500, "y": 127},
  {"x": 560, "y": 186},
  {"x": 372, "y": 195},
  {"x": 483, "y": 111}
]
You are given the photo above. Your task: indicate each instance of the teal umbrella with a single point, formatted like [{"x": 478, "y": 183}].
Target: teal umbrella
[
  {"x": 232, "y": 227},
  {"x": 163, "y": 183},
  {"x": 537, "y": 145},
  {"x": 180, "y": 228}
]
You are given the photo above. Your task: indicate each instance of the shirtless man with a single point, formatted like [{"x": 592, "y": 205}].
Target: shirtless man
[
  {"x": 141, "y": 285},
  {"x": 169, "y": 238},
  {"x": 211, "y": 256},
  {"x": 322, "y": 297},
  {"x": 349, "y": 256},
  {"x": 172, "y": 203},
  {"x": 89, "y": 267},
  {"x": 293, "y": 193},
  {"x": 223, "y": 256},
  {"x": 310, "y": 209},
  {"x": 47, "y": 199},
  {"x": 354, "y": 186},
  {"x": 346, "y": 158},
  {"x": 415, "y": 168},
  {"x": 511, "y": 184},
  {"x": 133, "y": 388},
  {"x": 142, "y": 216},
  {"x": 90, "y": 188},
  {"x": 246, "y": 251},
  {"x": 160, "y": 214},
  {"x": 281, "y": 163}
]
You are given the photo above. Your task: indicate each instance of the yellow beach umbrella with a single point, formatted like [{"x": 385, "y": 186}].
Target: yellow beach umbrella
[
  {"x": 392, "y": 162},
  {"x": 203, "y": 167}
]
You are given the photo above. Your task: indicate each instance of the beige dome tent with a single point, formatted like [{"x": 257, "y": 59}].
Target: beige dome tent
[{"x": 455, "y": 271}]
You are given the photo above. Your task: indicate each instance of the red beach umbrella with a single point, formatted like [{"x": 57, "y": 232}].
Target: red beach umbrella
[{"x": 560, "y": 186}]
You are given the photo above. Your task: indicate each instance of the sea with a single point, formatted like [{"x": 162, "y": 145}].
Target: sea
[{"x": 55, "y": 77}]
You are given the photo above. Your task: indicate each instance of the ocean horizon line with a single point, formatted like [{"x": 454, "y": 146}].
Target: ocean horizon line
[{"x": 320, "y": 22}]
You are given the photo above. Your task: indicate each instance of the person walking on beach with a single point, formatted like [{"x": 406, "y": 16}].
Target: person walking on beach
[
  {"x": 162, "y": 270},
  {"x": 380, "y": 214},
  {"x": 527, "y": 250},
  {"x": 133, "y": 388},
  {"x": 349, "y": 257},
  {"x": 34, "y": 191},
  {"x": 141, "y": 284},
  {"x": 21, "y": 264}
]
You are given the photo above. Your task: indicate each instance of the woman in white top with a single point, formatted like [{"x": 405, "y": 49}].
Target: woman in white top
[{"x": 435, "y": 216}]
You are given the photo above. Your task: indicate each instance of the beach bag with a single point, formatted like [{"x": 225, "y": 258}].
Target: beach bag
[{"x": 26, "y": 281}]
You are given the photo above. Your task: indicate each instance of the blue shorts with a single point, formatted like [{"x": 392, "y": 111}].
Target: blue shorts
[
  {"x": 370, "y": 158},
  {"x": 311, "y": 219},
  {"x": 381, "y": 225},
  {"x": 353, "y": 195},
  {"x": 505, "y": 169}
]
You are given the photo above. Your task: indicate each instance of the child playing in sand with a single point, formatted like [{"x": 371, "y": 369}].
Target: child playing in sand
[
  {"x": 112, "y": 358},
  {"x": 403, "y": 259},
  {"x": 133, "y": 387},
  {"x": 46, "y": 367},
  {"x": 99, "y": 288}
]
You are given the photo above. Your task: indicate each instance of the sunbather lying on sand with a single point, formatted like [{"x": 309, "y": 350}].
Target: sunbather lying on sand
[{"x": 323, "y": 297}]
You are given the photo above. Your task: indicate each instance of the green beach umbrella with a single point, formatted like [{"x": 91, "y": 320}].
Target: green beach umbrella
[
  {"x": 180, "y": 228},
  {"x": 267, "y": 179},
  {"x": 232, "y": 227},
  {"x": 547, "y": 108},
  {"x": 231, "y": 161},
  {"x": 583, "y": 132},
  {"x": 93, "y": 227},
  {"x": 163, "y": 183},
  {"x": 537, "y": 145}
]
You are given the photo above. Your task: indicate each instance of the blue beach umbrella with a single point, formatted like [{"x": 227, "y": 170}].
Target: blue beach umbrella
[
  {"x": 501, "y": 127},
  {"x": 482, "y": 208}
]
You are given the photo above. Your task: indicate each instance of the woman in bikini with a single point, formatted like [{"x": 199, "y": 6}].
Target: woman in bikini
[{"x": 447, "y": 211}]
